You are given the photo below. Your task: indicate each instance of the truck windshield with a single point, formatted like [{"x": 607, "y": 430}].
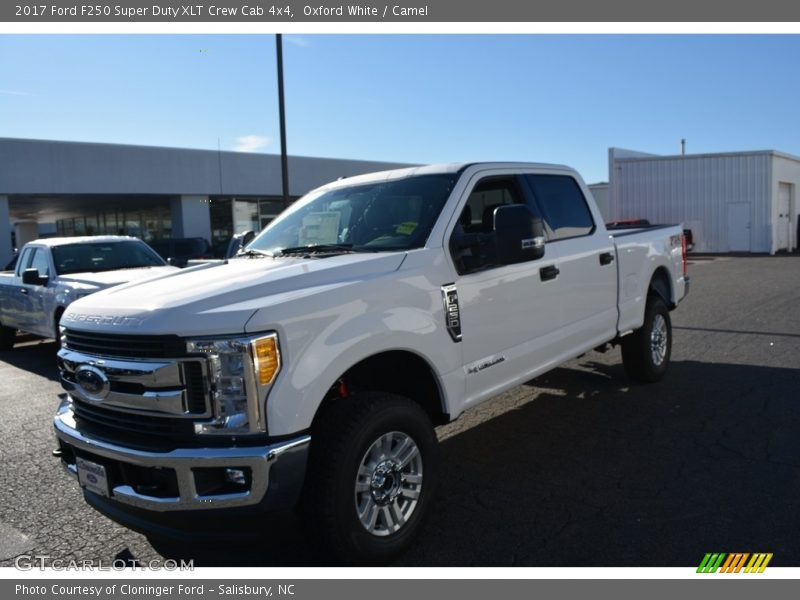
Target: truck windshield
[
  {"x": 385, "y": 215},
  {"x": 103, "y": 256}
]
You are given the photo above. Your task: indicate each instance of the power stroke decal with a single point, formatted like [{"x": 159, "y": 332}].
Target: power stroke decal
[
  {"x": 480, "y": 366},
  {"x": 452, "y": 313}
]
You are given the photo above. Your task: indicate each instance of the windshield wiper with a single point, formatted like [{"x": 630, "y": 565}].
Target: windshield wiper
[
  {"x": 315, "y": 249},
  {"x": 132, "y": 267},
  {"x": 251, "y": 252}
]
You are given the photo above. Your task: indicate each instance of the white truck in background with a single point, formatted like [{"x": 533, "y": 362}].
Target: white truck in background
[
  {"x": 51, "y": 273},
  {"x": 312, "y": 369}
]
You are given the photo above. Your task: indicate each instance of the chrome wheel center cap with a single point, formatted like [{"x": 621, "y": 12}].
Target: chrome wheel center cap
[{"x": 385, "y": 482}]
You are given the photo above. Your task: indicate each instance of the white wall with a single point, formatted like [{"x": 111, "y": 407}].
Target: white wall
[
  {"x": 696, "y": 191},
  {"x": 51, "y": 167}
]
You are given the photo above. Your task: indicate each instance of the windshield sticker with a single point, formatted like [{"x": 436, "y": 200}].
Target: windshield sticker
[
  {"x": 406, "y": 228},
  {"x": 319, "y": 228}
]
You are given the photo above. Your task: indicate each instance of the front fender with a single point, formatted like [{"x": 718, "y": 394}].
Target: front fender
[
  {"x": 323, "y": 335},
  {"x": 309, "y": 373}
]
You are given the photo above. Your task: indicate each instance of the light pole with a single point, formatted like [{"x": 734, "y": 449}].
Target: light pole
[{"x": 281, "y": 110}]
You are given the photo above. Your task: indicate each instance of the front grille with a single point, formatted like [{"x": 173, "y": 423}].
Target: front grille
[
  {"x": 125, "y": 346},
  {"x": 121, "y": 421},
  {"x": 132, "y": 423}
]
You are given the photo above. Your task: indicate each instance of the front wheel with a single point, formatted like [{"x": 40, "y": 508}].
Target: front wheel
[
  {"x": 646, "y": 352},
  {"x": 372, "y": 472}
]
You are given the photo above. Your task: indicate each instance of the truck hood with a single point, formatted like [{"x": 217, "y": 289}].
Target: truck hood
[
  {"x": 106, "y": 279},
  {"x": 216, "y": 299}
]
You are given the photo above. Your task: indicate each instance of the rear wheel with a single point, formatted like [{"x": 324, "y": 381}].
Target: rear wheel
[
  {"x": 646, "y": 352},
  {"x": 371, "y": 476},
  {"x": 8, "y": 336}
]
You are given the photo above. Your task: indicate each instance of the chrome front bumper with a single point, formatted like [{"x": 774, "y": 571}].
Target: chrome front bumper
[{"x": 260, "y": 460}]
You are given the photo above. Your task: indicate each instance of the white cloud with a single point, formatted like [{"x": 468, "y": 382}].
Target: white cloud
[
  {"x": 251, "y": 143},
  {"x": 15, "y": 93},
  {"x": 296, "y": 40}
]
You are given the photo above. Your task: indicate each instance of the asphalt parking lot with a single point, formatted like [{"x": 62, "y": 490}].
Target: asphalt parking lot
[{"x": 576, "y": 468}]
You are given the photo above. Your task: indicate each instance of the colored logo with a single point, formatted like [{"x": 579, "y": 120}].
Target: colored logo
[{"x": 735, "y": 562}]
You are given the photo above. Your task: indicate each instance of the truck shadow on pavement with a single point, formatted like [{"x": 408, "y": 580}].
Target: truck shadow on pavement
[
  {"x": 588, "y": 469},
  {"x": 34, "y": 355}
]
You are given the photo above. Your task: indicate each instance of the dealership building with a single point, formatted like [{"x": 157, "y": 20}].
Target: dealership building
[{"x": 75, "y": 188}]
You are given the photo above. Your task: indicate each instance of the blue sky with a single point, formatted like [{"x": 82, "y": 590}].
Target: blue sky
[{"x": 409, "y": 98}]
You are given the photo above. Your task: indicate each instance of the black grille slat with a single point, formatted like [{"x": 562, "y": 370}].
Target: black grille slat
[
  {"x": 133, "y": 423},
  {"x": 195, "y": 387},
  {"x": 126, "y": 346}
]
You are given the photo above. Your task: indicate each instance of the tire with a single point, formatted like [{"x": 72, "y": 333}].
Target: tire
[
  {"x": 372, "y": 473},
  {"x": 57, "y": 323},
  {"x": 8, "y": 336},
  {"x": 646, "y": 352}
]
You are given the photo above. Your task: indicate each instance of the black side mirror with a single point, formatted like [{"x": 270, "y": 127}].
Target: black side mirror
[
  {"x": 519, "y": 236},
  {"x": 31, "y": 277}
]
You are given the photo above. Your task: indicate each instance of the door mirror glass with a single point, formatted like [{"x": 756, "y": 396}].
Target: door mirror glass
[{"x": 519, "y": 235}]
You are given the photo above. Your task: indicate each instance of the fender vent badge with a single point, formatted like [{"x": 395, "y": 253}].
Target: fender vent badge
[{"x": 452, "y": 313}]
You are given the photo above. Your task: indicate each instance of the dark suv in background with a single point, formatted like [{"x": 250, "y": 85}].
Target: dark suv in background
[{"x": 178, "y": 251}]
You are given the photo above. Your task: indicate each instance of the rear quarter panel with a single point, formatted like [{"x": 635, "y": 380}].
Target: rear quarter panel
[{"x": 640, "y": 254}]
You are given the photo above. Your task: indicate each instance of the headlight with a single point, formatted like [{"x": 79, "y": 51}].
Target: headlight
[{"x": 241, "y": 371}]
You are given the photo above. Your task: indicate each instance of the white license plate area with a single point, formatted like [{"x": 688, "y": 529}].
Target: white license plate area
[{"x": 92, "y": 476}]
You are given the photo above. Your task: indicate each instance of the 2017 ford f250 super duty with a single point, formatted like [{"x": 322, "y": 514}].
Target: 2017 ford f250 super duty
[{"x": 311, "y": 370}]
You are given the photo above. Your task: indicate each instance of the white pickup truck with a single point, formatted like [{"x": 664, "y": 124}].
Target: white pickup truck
[
  {"x": 51, "y": 273},
  {"x": 311, "y": 370}
]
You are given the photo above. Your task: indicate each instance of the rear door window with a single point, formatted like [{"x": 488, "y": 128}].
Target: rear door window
[{"x": 564, "y": 209}]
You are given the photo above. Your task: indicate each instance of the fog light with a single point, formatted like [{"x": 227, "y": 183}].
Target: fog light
[{"x": 236, "y": 476}]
